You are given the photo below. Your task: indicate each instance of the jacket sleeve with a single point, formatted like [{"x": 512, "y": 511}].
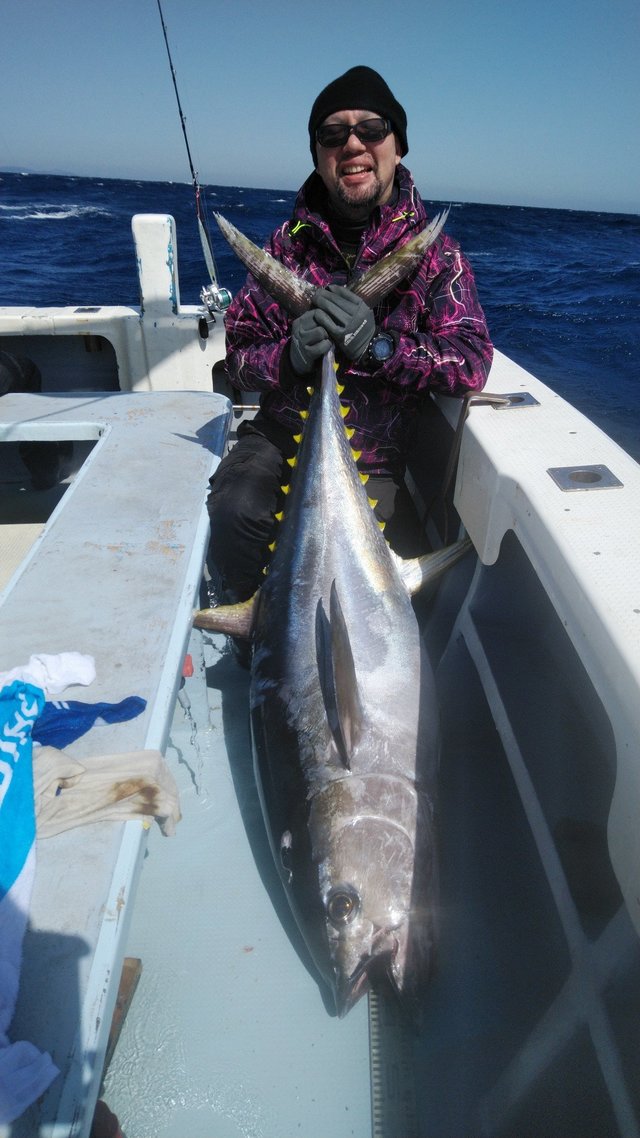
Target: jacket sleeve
[
  {"x": 439, "y": 329},
  {"x": 257, "y": 336}
]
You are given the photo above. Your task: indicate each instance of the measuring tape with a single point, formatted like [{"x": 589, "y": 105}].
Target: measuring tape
[{"x": 393, "y": 1087}]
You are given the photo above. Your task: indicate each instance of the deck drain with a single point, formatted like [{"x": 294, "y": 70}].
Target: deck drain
[{"x": 583, "y": 477}]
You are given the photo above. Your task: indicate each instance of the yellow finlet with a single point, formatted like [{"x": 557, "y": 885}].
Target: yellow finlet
[
  {"x": 349, "y": 432},
  {"x": 356, "y": 454},
  {"x": 304, "y": 414},
  {"x": 292, "y": 461},
  {"x": 335, "y": 366},
  {"x": 310, "y": 390},
  {"x": 344, "y": 411},
  {"x": 339, "y": 388},
  {"x": 285, "y": 489},
  {"x": 279, "y": 516},
  {"x": 271, "y": 547},
  {"x": 373, "y": 502},
  {"x": 381, "y": 525},
  {"x": 364, "y": 478},
  {"x": 297, "y": 439}
]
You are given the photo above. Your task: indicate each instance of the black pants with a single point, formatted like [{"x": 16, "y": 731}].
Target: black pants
[{"x": 245, "y": 495}]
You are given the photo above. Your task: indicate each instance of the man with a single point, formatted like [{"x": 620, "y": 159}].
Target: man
[{"x": 428, "y": 334}]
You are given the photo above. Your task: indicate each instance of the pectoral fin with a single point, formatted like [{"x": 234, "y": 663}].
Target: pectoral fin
[
  {"x": 338, "y": 679},
  {"x": 382, "y": 277}
]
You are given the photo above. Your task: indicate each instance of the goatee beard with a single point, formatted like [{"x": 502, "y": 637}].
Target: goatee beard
[{"x": 354, "y": 207}]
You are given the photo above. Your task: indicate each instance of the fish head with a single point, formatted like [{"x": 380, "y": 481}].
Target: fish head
[{"x": 377, "y": 903}]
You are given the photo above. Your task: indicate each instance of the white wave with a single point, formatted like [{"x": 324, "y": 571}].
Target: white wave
[{"x": 48, "y": 211}]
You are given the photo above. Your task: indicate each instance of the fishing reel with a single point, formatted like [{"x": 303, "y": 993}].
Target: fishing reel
[{"x": 215, "y": 300}]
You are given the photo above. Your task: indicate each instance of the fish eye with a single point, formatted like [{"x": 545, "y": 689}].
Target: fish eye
[{"x": 342, "y": 904}]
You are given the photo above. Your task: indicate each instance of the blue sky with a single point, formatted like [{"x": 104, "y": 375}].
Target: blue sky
[{"x": 508, "y": 101}]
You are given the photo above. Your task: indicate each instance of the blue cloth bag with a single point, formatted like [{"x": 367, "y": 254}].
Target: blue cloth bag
[{"x": 25, "y": 1072}]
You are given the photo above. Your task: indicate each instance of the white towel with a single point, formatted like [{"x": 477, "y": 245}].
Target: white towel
[
  {"x": 53, "y": 673},
  {"x": 102, "y": 788}
]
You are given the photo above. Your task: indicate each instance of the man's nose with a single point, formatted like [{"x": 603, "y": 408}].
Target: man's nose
[{"x": 354, "y": 143}]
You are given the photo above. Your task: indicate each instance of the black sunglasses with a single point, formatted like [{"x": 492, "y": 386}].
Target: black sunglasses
[{"x": 369, "y": 130}]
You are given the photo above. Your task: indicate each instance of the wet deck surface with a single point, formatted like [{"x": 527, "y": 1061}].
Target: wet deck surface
[{"x": 228, "y": 1033}]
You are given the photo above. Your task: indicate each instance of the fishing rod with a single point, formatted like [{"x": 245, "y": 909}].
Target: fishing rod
[{"x": 213, "y": 296}]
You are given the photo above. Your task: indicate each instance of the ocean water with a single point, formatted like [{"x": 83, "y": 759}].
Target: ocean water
[{"x": 560, "y": 288}]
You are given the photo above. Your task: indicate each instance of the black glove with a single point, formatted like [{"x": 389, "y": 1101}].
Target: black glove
[
  {"x": 309, "y": 342},
  {"x": 348, "y": 320}
]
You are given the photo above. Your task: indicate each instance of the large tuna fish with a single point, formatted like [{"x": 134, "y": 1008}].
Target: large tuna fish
[{"x": 343, "y": 711}]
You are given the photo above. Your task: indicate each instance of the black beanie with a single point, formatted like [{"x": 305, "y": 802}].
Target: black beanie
[{"x": 360, "y": 88}]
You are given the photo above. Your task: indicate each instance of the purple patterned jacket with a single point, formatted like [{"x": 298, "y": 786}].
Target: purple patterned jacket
[{"x": 434, "y": 317}]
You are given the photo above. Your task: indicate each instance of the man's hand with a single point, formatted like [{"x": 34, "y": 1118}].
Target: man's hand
[
  {"x": 309, "y": 342},
  {"x": 347, "y": 319}
]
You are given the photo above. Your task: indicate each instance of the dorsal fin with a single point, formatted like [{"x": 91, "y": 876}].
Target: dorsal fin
[
  {"x": 290, "y": 290},
  {"x": 338, "y": 680},
  {"x": 382, "y": 277}
]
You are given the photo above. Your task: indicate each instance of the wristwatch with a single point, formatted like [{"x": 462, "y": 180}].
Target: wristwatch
[{"x": 381, "y": 347}]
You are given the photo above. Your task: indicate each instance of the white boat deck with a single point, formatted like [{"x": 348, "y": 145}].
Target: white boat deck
[
  {"x": 114, "y": 574},
  {"x": 530, "y": 1024}
]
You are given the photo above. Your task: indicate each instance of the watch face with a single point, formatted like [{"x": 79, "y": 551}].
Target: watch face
[{"x": 381, "y": 347}]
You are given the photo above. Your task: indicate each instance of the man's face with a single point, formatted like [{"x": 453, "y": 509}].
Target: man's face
[{"x": 358, "y": 175}]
